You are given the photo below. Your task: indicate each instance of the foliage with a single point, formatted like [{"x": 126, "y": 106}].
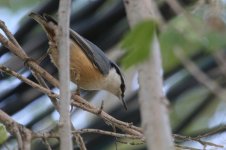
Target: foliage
[
  {"x": 3, "y": 134},
  {"x": 188, "y": 32},
  {"x": 137, "y": 43},
  {"x": 15, "y": 5}
]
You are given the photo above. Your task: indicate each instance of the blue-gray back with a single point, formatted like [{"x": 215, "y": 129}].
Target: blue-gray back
[{"x": 94, "y": 53}]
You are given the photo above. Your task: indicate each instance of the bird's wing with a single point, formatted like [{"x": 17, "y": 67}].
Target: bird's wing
[{"x": 94, "y": 53}]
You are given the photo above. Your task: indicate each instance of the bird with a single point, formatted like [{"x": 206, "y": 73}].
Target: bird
[{"x": 90, "y": 68}]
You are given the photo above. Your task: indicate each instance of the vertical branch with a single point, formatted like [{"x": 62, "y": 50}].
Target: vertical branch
[
  {"x": 27, "y": 141},
  {"x": 153, "y": 107},
  {"x": 64, "y": 50}
]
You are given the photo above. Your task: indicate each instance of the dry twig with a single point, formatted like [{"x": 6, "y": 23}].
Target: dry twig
[
  {"x": 77, "y": 100},
  {"x": 197, "y": 139},
  {"x": 22, "y": 133},
  {"x": 35, "y": 85},
  {"x": 199, "y": 75},
  {"x": 25, "y": 135},
  {"x": 109, "y": 133},
  {"x": 47, "y": 143},
  {"x": 12, "y": 125}
]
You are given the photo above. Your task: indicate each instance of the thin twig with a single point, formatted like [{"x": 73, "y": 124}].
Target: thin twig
[
  {"x": 18, "y": 137},
  {"x": 47, "y": 143},
  {"x": 36, "y": 75},
  {"x": 126, "y": 127},
  {"x": 11, "y": 125},
  {"x": 182, "y": 147},
  {"x": 9, "y": 34},
  {"x": 130, "y": 143},
  {"x": 199, "y": 75},
  {"x": 27, "y": 81},
  {"x": 36, "y": 69},
  {"x": 109, "y": 133},
  {"x": 220, "y": 59},
  {"x": 81, "y": 103},
  {"x": 78, "y": 101},
  {"x": 45, "y": 135},
  {"x": 27, "y": 136},
  {"x": 196, "y": 139},
  {"x": 14, "y": 41},
  {"x": 211, "y": 132},
  {"x": 22, "y": 133},
  {"x": 42, "y": 82}
]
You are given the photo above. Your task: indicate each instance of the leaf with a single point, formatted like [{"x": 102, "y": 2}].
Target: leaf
[
  {"x": 15, "y": 5},
  {"x": 3, "y": 134},
  {"x": 137, "y": 43},
  {"x": 215, "y": 40},
  {"x": 190, "y": 34}
]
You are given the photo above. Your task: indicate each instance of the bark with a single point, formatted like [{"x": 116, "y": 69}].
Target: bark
[
  {"x": 154, "y": 113},
  {"x": 64, "y": 72}
]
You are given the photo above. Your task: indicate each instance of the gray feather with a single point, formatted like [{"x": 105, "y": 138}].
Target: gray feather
[{"x": 94, "y": 53}]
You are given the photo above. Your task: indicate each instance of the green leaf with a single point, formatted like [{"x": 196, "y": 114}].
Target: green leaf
[
  {"x": 191, "y": 35},
  {"x": 137, "y": 43},
  {"x": 3, "y": 134},
  {"x": 215, "y": 40},
  {"x": 15, "y": 5},
  {"x": 183, "y": 33}
]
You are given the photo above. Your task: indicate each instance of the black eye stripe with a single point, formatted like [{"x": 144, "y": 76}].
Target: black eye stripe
[{"x": 123, "y": 87}]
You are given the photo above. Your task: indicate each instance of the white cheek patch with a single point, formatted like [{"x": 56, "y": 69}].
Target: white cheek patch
[{"x": 112, "y": 82}]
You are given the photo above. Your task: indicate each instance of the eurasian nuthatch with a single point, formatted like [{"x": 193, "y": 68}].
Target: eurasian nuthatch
[{"x": 90, "y": 69}]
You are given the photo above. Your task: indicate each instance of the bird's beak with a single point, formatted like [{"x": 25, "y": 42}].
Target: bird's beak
[{"x": 124, "y": 103}]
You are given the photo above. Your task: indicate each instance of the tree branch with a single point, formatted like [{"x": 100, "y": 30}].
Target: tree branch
[
  {"x": 22, "y": 134},
  {"x": 109, "y": 133},
  {"x": 80, "y": 103},
  {"x": 64, "y": 75},
  {"x": 154, "y": 113},
  {"x": 199, "y": 75}
]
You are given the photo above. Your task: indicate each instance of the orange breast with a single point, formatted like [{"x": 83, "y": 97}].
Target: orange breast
[{"x": 83, "y": 72}]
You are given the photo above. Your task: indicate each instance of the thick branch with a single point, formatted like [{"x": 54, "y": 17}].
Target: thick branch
[
  {"x": 154, "y": 113},
  {"x": 64, "y": 75}
]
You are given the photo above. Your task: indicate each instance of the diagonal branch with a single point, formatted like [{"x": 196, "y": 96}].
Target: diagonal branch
[
  {"x": 22, "y": 133},
  {"x": 199, "y": 75},
  {"x": 80, "y": 103},
  {"x": 77, "y": 100},
  {"x": 32, "y": 64}
]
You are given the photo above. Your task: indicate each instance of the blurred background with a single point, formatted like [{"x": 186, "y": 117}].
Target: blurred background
[{"x": 194, "y": 108}]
